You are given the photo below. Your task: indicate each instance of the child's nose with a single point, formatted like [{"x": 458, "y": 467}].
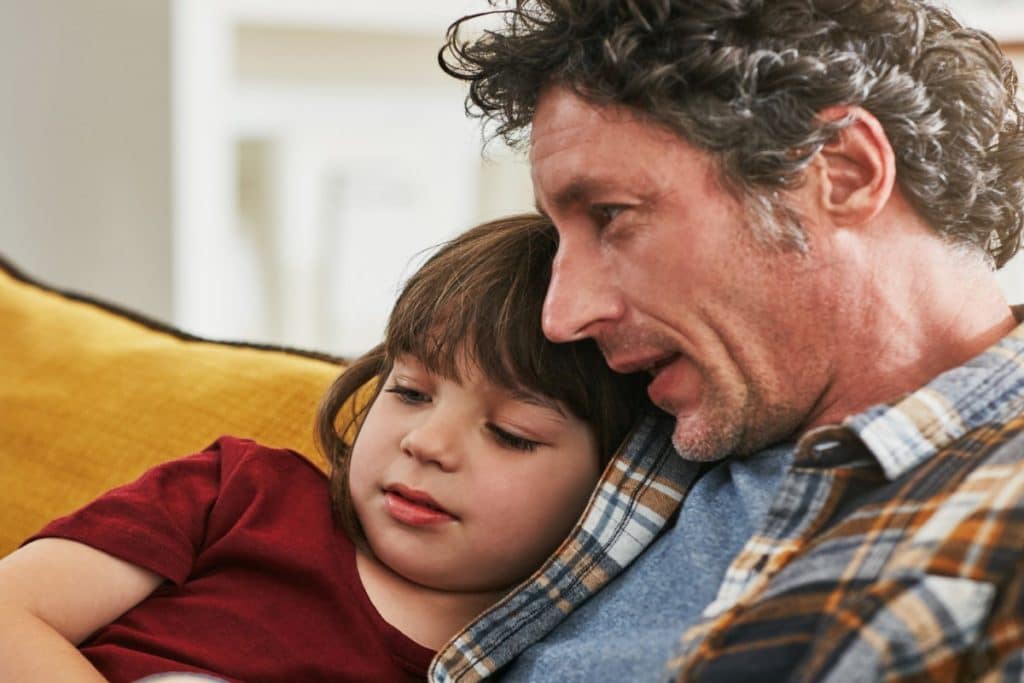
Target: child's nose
[{"x": 434, "y": 441}]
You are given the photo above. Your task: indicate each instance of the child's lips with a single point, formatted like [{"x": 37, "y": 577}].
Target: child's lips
[{"x": 414, "y": 507}]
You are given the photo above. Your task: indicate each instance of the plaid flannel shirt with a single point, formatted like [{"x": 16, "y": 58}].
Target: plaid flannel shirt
[{"x": 893, "y": 551}]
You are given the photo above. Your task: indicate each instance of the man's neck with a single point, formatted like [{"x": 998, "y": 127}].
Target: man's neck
[{"x": 912, "y": 325}]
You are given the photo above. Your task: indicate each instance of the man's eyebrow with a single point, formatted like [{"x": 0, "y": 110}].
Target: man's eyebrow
[{"x": 575, "y": 192}]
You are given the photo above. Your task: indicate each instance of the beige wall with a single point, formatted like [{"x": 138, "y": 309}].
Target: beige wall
[
  {"x": 350, "y": 59},
  {"x": 85, "y": 192}
]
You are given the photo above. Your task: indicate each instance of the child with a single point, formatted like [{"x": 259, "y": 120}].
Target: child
[{"x": 474, "y": 455}]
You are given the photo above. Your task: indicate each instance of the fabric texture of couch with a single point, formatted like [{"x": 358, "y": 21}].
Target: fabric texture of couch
[{"x": 91, "y": 396}]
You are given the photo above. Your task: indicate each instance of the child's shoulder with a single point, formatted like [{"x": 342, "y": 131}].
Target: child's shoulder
[{"x": 238, "y": 454}]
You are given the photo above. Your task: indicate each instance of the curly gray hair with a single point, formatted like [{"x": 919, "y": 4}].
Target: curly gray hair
[{"x": 746, "y": 80}]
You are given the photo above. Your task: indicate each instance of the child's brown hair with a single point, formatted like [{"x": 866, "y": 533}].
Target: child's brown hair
[{"x": 479, "y": 299}]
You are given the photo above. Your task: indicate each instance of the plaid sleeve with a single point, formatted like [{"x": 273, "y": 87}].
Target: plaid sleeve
[
  {"x": 1011, "y": 669},
  {"x": 1000, "y": 655}
]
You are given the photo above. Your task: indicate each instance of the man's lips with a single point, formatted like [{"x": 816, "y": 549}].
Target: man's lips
[
  {"x": 414, "y": 507},
  {"x": 650, "y": 364},
  {"x": 668, "y": 372}
]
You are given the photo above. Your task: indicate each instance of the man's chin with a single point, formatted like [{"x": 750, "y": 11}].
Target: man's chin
[{"x": 696, "y": 438}]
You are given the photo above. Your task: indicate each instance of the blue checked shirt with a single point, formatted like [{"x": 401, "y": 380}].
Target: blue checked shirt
[{"x": 893, "y": 551}]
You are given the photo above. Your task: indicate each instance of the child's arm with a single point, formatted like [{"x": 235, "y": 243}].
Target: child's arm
[{"x": 53, "y": 594}]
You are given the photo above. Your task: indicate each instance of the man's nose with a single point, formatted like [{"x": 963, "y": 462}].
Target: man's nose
[{"x": 580, "y": 297}]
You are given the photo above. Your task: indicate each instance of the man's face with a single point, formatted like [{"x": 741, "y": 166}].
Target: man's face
[{"x": 658, "y": 263}]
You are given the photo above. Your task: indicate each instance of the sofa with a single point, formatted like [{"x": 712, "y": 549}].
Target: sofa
[{"x": 92, "y": 395}]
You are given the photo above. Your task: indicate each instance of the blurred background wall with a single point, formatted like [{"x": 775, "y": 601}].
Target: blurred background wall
[
  {"x": 86, "y": 145},
  {"x": 246, "y": 169},
  {"x": 266, "y": 170}
]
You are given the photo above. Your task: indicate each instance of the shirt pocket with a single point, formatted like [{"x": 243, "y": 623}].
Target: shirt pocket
[{"x": 924, "y": 623}]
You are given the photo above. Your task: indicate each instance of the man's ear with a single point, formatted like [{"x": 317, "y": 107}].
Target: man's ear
[{"x": 857, "y": 170}]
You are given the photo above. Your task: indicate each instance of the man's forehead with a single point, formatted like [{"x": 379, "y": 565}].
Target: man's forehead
[
  {"x": 580, "y": 151},
  {"x": 580, "y": 132},
  {"x": 566, "y": 146},
  {"x": 559, "y": 110}
]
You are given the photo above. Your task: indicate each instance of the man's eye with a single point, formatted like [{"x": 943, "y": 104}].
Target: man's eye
[
  {"x": 605, "y": 213},
  {"x": 508, "y": 440},
  {"x": 407, "y": 395}
]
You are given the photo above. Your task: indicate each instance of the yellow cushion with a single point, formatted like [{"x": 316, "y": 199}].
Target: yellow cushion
[{"x": 91, "y": 396}]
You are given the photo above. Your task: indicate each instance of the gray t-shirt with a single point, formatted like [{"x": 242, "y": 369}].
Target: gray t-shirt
[{"x": 627, "y": 632}]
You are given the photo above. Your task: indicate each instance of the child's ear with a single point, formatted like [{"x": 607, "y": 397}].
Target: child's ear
[{"x": 857, "y": 170}]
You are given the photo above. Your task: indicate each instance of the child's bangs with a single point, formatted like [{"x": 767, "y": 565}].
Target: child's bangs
[
  {"x": 478, "y": 302},
  {"x": 506, "y": 349}
]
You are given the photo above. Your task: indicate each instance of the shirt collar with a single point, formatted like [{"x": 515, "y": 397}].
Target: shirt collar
[{"x": 988, "y": 388}]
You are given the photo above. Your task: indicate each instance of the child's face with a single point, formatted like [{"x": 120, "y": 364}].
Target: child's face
[{"x": 465, "y": 486}]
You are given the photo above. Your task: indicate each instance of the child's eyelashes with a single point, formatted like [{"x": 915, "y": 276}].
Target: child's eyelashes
[
  {"x": 512, "y": 441},
  {"x": 504, "y": 438},
  {"x": 407, "y": 394}
]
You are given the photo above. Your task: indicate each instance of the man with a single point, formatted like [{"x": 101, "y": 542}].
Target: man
[{"x": 788, "y": 213}]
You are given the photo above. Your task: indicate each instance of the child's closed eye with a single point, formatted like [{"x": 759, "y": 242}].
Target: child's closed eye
[{"x": 513, "y": 441}]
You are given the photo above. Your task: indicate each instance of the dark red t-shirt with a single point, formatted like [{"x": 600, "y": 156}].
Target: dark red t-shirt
[{"x": 261, "y": 585}]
